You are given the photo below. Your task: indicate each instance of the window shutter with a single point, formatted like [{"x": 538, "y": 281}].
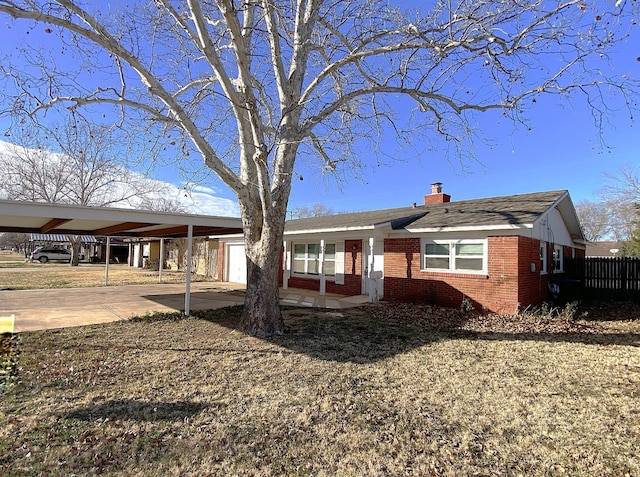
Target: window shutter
[{"x": 339, "y": 279}]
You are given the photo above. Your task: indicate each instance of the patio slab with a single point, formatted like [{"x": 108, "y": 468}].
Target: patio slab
[{"x": 31, "y": 310}]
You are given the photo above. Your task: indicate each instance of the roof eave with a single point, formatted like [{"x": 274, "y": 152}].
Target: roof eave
[
  {"x": 476, "y": 228},
  {"x": 329, "y": 230}
]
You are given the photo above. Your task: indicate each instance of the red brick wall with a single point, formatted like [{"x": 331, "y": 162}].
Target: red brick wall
[
  {"x": 532, "y": 286},
  {"x": 352, "y": 273},
  {"x": 304, "y": 283},
  {"x": 221, "y": 261},
  {"x": 352, "y": 270},
  {"x": 436, "y": 198},
  {"x": 508, "y": 284}
]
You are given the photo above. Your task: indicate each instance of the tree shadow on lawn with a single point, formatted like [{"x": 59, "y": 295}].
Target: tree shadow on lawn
[
  {"x": 350, "y": 337},
  {"x": 134, "y": 410},
  {"x": 359, "y": 335}
]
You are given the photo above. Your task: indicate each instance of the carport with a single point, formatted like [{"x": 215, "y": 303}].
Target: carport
[{"x": 42, "y": 218}]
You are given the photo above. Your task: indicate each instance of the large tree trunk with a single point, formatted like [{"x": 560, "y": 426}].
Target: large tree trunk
[
  {"x": 263, "y": 247},
  {"x": 262, "y": 316},
  {"x": 263, "y": 217}
]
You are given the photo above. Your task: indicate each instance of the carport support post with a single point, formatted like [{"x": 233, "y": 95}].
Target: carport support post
[
  {"x": 187, "y": 294},
  {"x": 323, "y": 278},
  {"x": 287, "y": 265},
  {"x": 161, "y": 261},
  {"x": 106, "y": 261},
  {"x": 371, "y": 267}
]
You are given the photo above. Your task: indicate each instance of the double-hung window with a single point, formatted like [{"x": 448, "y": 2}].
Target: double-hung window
[
  {"x": 306, "y": 259},
  {"x": 330, "y": 259},
  {"x": 543, "y": 257},
  {"x": 437, "y": 256},
  {"x": 469, "y": 256},
  {"x": 558, "y": 259},
  {"x": 466, "y": 256}
]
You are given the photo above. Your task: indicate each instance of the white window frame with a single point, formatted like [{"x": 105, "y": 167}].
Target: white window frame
[
  {"x": 307, "y": 259},
  {"x": 558, "y": 258},
  {"x": 543, "y": 258},
  {"x": 452, "y": 244}
]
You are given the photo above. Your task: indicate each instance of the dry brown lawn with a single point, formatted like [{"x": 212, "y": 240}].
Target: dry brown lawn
[
  {"x": 354, "y": 393},
  {"x": 59, "y": 275},
  {"x": 7, "y": 255}
]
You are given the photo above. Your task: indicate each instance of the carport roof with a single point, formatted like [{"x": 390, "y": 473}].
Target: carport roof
[{"x": 35, "y": 217}]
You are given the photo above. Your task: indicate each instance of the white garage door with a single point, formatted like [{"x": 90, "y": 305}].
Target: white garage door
[{"x": 236, "y": 263}]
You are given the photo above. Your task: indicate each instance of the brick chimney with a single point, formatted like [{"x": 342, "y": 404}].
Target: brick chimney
[{"x": 436, "y": 196}]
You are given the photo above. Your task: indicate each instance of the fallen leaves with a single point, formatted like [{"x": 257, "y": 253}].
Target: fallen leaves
[{"x": 455, "y": 319}]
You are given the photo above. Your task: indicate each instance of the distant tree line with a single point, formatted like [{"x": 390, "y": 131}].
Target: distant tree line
[{"x": 617, "y": 215}]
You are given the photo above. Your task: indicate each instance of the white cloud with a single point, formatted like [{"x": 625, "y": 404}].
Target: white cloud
[
  {"x": 201, "y": 200},
  {"x": 197, "y": 199},
  {"x": 201, "y": 188}
]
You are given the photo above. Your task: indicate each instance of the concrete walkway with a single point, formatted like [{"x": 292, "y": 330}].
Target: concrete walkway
[{"x": 31, "y": 310}]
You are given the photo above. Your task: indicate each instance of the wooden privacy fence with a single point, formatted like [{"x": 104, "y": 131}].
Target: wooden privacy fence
[{"x": 616, "y": 278}]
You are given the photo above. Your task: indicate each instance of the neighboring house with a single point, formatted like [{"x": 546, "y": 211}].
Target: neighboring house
[
  {"x": 92, "y": 248},
  {"x": 604, "y": 249},
  {"x": 89, "y": 242},
  {"x": 142, "y": 251},
  {"x": 497, "y": 253},
  {"x": 145, "y": 253},
  {"x": 204, "y": 256}
]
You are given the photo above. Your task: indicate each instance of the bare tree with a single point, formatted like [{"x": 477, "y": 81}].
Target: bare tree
[
  {"x": 623, "y": 219},
  {"x": 316, "y": 210},
  {"x": 623, "y": 186},
  {"x": 74, "y": 164},
  {"x": 621, "y": 195},
  {"x": 607, "y": 220},
  {"x": 161, "y": 203},
  {"x": 251, "y": 85},
  {"x": 594, "y": 218},
  {"x": 15, "y": 240},
  {"x": 86, "y": 170},
  {"x": 30, "y": 172}
]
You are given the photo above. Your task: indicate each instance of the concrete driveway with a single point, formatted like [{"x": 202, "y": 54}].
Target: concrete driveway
[
  {"x": 59, "y": 308},
  {"x": 31, "y": 310}
]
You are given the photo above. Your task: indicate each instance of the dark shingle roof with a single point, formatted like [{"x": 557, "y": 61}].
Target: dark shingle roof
[
  {"x": 603, "y": 249},
  {"x": 356, "y": 220},
  {"x": 494, "y": 211},
  {"x": 519, "y": 209}
]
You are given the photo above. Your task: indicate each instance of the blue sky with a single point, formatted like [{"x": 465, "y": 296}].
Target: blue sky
[
  {"x": 563, "y": 150},
  {"x": 560, "y": 149}
]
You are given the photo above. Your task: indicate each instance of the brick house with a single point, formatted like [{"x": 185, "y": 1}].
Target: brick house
[{"x": 497, "y": 253}]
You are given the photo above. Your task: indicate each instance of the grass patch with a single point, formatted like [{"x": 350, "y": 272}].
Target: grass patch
[
  {"x": 342, "y": 393},
  {"x": 44, "y": 276},
  {"x": 22, "y": 264},
  {"x": 9, "y": 256},
  {"x": 10, "y": 259}
]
